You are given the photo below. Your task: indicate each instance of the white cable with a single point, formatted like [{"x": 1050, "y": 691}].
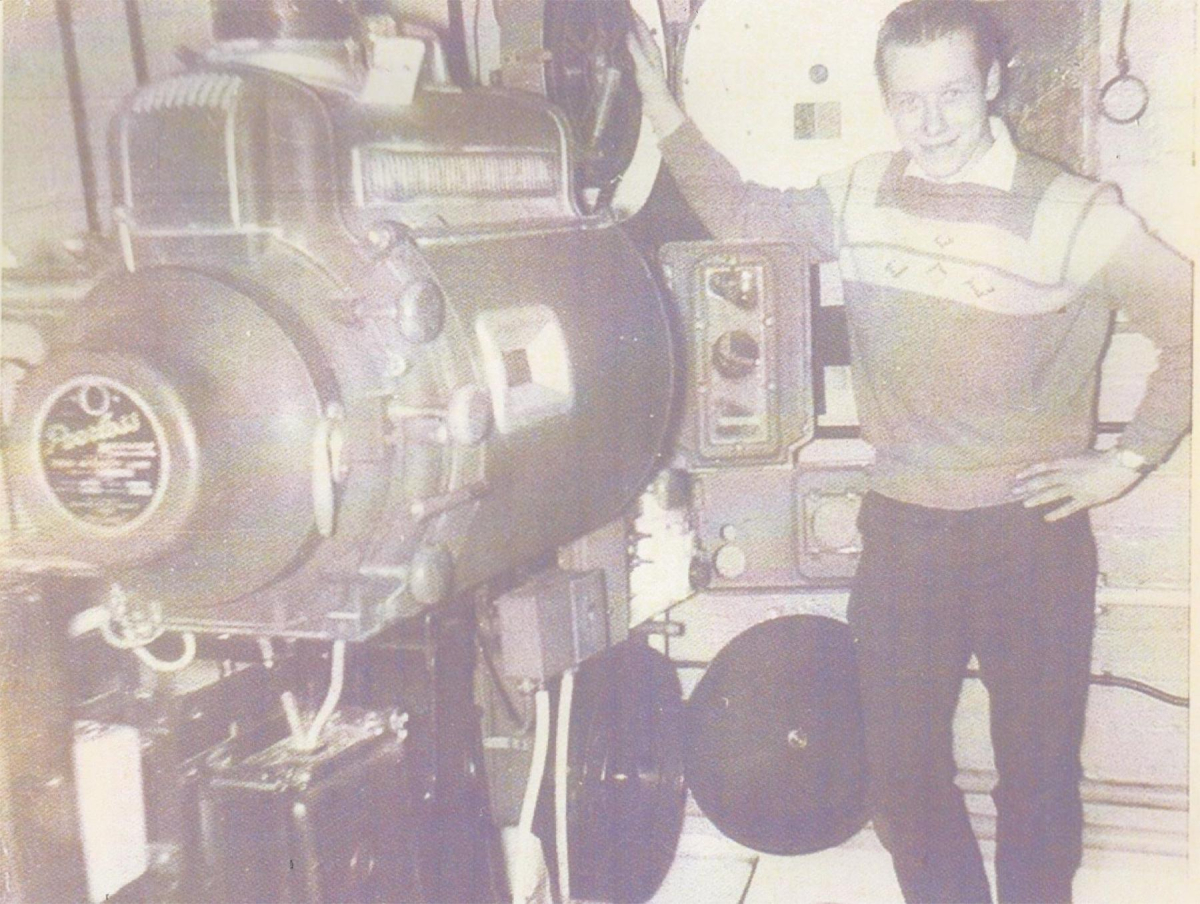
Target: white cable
[
  {"x": 99, "y": 618},
  {"x": 169, "y": 665},
  {"x": 120, "y": 642},
  {"x": 525, "y": 883},
  {"x": 295, "y": 723},
  {"x": 336, "y": 678},
  {"x": 92, "y": 619},
  {"x": 562, "y": 738},
  {"x": 268, "y": 652}
]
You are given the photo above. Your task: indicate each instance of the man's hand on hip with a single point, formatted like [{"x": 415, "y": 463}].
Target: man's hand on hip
[{"x": 1078, "y": 482}]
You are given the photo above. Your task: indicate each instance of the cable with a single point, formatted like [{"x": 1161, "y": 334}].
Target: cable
[
  {"x": 169, "y": 665},
  {"x": 506, "y": 701},
  {"x": 524, "y": 885},
  {"x": 88, "y": 620},
  {"x": 562, "y": 739},
  {"x": 1105, "y": 679},
  {"x": 1108, "y": 679},
  {"x": 749, "y": 880},
  {"x": 336, "y": 679},
  {"x": 100, "y": 618},
  {"x": 295, "y": 724},
  {"x": 79, "y": 115},
  {"x": 1124, "y": 97}
]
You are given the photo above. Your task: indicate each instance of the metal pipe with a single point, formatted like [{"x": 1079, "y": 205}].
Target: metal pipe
[
  {"x": 87, "y": 164},
  {"x": 456, "y": 44},
  {"x": 137, "y": 41}
]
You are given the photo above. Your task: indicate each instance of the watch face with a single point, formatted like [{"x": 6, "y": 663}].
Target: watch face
[{"x": 1127, "y": 458}]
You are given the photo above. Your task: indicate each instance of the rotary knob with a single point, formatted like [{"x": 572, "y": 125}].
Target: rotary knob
[
  {"x": 735, "y": 355},
  {"x": 730, "y": 561},
  {"x": 420, "y": 311}
]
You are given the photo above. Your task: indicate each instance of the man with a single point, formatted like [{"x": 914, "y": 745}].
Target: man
[{"x": 980, "y": 283}]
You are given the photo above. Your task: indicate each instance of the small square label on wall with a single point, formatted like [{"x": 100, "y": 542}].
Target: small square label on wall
[{"x": 818, "y": 120}]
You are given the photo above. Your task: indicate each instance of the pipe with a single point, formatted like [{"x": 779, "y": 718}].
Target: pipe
[
  {"x": 137, "y": 41},
  {"x": 456, "y": 44},
  {"x": 87, "y": 163}
]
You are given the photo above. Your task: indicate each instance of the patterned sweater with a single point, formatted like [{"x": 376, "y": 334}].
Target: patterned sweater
[{"x": 978, "y": 316}]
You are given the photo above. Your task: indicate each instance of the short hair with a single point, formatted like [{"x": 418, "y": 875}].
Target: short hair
[{"x": 922, "y": 21}]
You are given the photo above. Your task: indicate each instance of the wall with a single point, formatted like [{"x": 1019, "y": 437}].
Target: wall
[
  {"x": 1144, "y": 545},
  {"x": 42, "y": 194}
]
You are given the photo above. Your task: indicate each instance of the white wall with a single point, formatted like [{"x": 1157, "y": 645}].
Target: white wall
[{"x": 42, "y": 193}]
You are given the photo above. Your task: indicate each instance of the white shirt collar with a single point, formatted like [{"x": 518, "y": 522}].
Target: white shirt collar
[{"x": 994, "y": 169}]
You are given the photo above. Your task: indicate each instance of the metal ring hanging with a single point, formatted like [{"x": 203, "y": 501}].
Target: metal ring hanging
[{"x": 1124, "y": 97}]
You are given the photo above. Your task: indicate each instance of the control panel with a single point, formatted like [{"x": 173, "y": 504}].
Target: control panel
[{"x": 744, "y": 310}]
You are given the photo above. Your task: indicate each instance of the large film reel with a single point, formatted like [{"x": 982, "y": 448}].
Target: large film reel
[
  {"x": 775, "y": 754},
  {"x": 625, "y": 784}
]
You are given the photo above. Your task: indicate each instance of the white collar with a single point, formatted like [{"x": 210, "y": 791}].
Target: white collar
[{"x": 994, "y": 169}]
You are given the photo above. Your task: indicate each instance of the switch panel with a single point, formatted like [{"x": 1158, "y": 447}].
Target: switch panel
[{"x": 744, "y": 308}]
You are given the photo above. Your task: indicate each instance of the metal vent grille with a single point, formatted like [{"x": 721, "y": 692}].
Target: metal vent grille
[
  {"x": 390, "y": 174},
  {"x": 206, "y": 89}
]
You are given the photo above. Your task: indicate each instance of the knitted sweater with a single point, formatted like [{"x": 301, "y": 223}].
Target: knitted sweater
[{"x": 977, "y": 316}]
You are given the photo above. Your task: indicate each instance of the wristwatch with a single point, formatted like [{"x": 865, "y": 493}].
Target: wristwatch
[{"x": 1134, "y": 461}]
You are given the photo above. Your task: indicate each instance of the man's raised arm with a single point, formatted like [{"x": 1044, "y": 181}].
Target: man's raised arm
[{"x": 728, "y": 206}]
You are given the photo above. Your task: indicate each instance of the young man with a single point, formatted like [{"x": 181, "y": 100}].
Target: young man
[{"x": 980, "y": 285}]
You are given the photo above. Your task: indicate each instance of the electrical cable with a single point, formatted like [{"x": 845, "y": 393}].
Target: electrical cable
[
  {"x": 337, "y": 669},
  {"x": 186, "y": 658},
  {"x": 562, "y": 741},
  {"x": 502, "y": 692},
  {"x": 79, "y": 115},
  {"x": 749, "y": 880},
  {"x": 525, "y": 883},
  {"x": 1108, "y": 679},
  {"x": 1105, "y": 679},
  {"x": 292, "y": 713},
  {"x": 120, "y": 642},
  {"x": 99, "y": 618},
  {"x": 87, "y": 620}
]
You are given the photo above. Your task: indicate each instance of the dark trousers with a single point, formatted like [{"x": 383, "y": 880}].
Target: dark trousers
[{"x": 933, "y": 587}]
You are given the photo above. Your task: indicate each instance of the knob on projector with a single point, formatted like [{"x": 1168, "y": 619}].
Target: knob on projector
[
  {"x": 730, "y": 561},
  {"x": 420, "y": 311}
]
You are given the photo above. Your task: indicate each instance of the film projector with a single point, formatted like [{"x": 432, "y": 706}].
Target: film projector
[{"x": 321, "y": 543}]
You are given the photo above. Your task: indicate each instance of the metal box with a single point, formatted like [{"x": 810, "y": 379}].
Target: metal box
[
  {"x": 554, "y": 622},
  {"x": 333, "y": 824}
]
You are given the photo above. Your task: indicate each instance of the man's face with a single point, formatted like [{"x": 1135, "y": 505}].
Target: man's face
[{"x": 938, "y": 101}]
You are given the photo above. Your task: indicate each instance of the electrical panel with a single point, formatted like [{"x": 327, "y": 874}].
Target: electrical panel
[{"x": 744, "y": 314}]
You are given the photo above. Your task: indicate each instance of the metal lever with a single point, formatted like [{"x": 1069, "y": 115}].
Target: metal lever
[{"x": 328, "y": 467}]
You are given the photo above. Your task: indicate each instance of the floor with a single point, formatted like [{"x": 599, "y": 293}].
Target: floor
[{"x": 710, "y": 869}]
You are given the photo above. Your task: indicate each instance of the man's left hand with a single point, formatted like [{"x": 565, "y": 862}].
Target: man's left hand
[{"x": 1078, "y": 482}]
